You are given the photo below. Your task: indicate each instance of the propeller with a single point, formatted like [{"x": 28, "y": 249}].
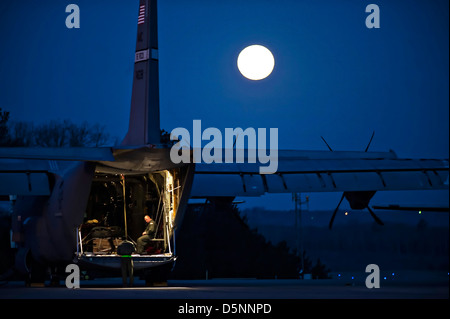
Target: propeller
[
  {"x": 331, "y": 150},
  {"x": 330, "y": 225},
  {"x": 377, "y": 219},
  {"x": 357, "y": 200},
  {"x": 367, "y": 148}
]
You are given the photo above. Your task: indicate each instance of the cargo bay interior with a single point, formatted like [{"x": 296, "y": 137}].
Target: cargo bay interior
[{"x": 116, "y": 208}]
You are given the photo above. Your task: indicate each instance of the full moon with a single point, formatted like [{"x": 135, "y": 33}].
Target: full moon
[{"x": 255, "y": 62}]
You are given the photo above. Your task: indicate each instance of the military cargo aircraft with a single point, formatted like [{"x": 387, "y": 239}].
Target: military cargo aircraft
[{"x": 75, "y": 205}]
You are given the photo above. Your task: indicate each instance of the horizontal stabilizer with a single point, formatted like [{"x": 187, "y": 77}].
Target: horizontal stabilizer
[{"x": 58, "y": 153}]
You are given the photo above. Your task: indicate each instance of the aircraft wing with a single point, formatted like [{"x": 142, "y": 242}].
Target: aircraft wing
[
  {"x": 28, "y": 170},
  {"x": 321, "y": 171},
  {"x": 422, "y": 208}
]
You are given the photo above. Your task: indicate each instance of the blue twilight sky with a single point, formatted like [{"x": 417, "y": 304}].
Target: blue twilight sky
[{"x": 333, "y": 76}]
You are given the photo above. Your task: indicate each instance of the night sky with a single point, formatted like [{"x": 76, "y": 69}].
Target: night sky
[{"x": 333, "y": 76}]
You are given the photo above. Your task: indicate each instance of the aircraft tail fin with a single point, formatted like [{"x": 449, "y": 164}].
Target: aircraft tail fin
[{"x": 144, "y": 125}]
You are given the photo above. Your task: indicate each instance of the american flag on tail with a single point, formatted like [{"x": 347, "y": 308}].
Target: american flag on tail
[{"x": 141, "y": 17}]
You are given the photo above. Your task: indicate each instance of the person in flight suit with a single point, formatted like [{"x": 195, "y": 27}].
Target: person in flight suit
[
  {"x": 124, "y": 250},
  {"x": 147, "y": 235}
]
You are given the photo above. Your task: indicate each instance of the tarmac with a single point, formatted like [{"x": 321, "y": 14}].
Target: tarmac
[{"x": 343, "y": 286}]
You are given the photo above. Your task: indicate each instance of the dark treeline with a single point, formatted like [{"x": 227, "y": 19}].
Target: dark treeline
[
  {"x": 55, "y": 133},
  {"x": 216, "y": 242},
  {"x": 418, "y": 245}
]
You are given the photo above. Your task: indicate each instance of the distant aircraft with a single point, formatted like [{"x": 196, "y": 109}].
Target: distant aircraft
[{"x": 74, "y": 205}]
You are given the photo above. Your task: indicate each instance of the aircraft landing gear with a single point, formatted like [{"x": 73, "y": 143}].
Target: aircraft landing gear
[
  {"x": 158, "y": 276},
  {"x": 37, "y": 275}
]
